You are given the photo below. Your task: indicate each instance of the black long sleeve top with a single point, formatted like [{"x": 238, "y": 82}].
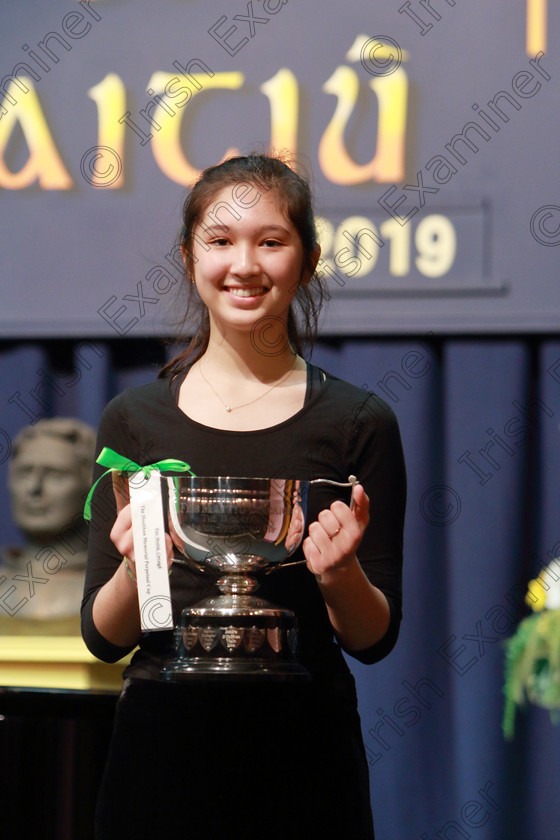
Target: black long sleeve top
[{"x": 341, "y": 430}]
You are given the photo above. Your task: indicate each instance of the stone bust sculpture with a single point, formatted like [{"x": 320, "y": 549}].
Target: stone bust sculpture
[{"x": 41, "y": 582}]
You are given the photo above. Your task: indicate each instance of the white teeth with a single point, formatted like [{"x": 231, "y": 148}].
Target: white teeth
[{"x": 247, "y": 292}]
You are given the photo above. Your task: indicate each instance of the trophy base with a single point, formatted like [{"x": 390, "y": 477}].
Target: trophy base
[
  {"x": 235, "y": 637},
  {"x": 198, "y": 668}
]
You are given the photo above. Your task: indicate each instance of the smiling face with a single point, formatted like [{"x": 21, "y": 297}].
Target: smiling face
[{"x": 248, "y": 263}]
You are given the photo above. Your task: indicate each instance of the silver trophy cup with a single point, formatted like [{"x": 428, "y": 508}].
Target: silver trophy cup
[{"x": 238, "y": 528}]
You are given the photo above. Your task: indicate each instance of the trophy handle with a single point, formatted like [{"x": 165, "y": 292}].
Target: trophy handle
[{"x": 352, "y": 482}]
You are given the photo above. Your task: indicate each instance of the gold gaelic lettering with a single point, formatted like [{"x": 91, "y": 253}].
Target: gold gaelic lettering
[
  {"x": 537, "y": 26},
  {"x": 283, "y": 94},
  {"x": 387, "y": 164},
  {"x": 44, "y": 162},
  {"x": 166, "y": 142},
  {"x": 110, "y": 97}
]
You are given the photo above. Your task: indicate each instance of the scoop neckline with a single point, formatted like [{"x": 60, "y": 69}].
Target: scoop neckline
[{"x": 309, "y": 403}]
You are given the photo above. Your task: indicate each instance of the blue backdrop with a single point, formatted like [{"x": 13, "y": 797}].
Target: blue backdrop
[{"x": 482, "y": 520}]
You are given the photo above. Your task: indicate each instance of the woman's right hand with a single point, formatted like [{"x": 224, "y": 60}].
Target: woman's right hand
[{"x": 121, "y": 534}]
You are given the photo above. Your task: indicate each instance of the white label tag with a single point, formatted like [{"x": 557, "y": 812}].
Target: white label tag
[{"x": 148, "y": 531}]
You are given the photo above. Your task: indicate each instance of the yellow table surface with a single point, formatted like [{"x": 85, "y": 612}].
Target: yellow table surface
[{"x": 56, "y": 662}]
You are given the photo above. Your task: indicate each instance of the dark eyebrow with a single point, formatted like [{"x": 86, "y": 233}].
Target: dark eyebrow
[
  {"x": 213, "y": 230},
  {"x": 222, "y": 230},
  {"x": 272, "y": 228}
]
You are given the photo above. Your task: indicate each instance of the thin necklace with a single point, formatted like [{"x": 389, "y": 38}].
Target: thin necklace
[{"x": 264, "y": 393}]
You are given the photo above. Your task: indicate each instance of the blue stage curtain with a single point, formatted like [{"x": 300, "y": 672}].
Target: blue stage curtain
[{"x": 480, "y": 425}]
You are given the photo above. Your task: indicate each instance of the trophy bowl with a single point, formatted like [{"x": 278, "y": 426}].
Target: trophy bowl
[{"x": 237, "y": 528}]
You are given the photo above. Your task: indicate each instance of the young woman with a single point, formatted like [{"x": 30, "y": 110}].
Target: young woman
[{"x": 251, "y": 759}]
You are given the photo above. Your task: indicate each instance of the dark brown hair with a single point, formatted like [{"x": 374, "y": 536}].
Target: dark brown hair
[{"x": 294, "y": 195}]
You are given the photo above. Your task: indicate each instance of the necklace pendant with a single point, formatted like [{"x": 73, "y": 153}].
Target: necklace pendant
[{"x": 228, "y": 407}]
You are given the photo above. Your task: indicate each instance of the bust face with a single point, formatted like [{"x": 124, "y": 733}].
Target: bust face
[{"x": 46, "y": 486}]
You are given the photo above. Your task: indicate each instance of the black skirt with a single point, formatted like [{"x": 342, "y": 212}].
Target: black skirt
[{"x": 239, "y": 760}]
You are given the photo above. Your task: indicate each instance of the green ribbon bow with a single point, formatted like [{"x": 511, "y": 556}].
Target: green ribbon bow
[{"x": 117, "y": 463}]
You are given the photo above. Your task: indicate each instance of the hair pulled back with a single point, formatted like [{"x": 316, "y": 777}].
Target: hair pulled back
[{"x": 294, "y": 196}]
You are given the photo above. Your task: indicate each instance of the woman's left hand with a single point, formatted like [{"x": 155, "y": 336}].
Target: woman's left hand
[{"x": 334, "y": 538}]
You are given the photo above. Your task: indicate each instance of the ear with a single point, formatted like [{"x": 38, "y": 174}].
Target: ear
[{"x": 307, "y": 274}]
